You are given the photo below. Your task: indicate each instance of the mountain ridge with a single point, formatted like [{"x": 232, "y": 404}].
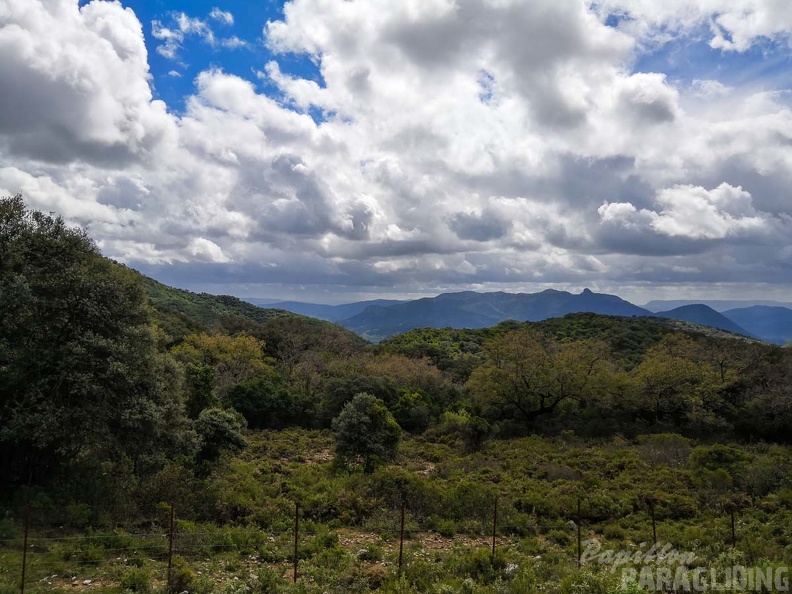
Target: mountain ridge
[{"x": 470, "y": 309}]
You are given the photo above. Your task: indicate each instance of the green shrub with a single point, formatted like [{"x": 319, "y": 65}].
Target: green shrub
[
  {"x": 481, "y": 565},
  {"x": 560, "y": 537},
  {"x": 664, "y": 448},
  {"x": 137, "y": 580},
  {"x": 182, "y": 577},
  {"x": 267, "y": 581},
  {"x": 447, "y": 528},
  {"x": 614, "y": 532}
]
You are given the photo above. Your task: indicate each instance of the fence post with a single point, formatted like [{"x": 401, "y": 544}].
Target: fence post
[
  {"x": 650, "y": 501},
  {"x": 494, "y": 525},
  {"x": 170, "y": 546},
  {"x": 25, "y": 549},
  {"x": 296, "y": 538},
  {"x": 579, "y": 538},
  {"x": 733, "y": 530},
  {"x": 401, "y": 538}
]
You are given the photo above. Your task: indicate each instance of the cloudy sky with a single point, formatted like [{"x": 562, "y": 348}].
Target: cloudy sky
[{"x": 331, "y": 150}]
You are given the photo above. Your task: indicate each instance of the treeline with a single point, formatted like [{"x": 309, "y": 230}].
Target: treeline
[{"x": 106, "y": 377}]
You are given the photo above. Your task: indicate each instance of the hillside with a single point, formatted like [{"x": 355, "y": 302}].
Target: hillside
[
  {"x": 456, "y": 350},
  {"x": 178, "y": 313},
  {"x": 720, "y": 305},
  {"x": 772, "y": 324},
  {"x": 331, "y": 313},
  {"x": 703, "y": 315}
]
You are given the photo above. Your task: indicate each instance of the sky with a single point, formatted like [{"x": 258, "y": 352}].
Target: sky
[{"x": 338, "y": 150}]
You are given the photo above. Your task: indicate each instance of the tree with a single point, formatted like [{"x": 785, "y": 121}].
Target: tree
[
  {"x": 218, "y": 431},
  {"x": 366, "y": 433},
  {"x": 233, "y": 359},
  {"x": 338, "y": 391},
  {"x": 264, "y": 402},
  {"x": 80, "y": 374},
  {"x": 527, "y": 376}
]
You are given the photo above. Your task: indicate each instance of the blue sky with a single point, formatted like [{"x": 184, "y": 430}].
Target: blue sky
[
  {"x": 630, "y": 146},
  {"x": 196, "y": 55}
]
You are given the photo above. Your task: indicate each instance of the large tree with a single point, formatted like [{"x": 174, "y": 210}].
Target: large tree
[
  {"x": 527, "y": 376},
  {"x": 80, "y": 374}
]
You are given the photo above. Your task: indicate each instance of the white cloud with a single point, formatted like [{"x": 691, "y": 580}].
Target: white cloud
[
  {"x": 464, "y": 144},
  {"x": 222, "y": 16},
  {"x": 183, "y": 26},
  {"x": 734, "y": 25},
  {"x": 693, "y": 212},
  {"x": 711, "y": 89},
  {"x": 205, "y": 250}
]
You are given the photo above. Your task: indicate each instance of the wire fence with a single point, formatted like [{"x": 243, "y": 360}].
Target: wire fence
[{"x": 46, "y": 544}]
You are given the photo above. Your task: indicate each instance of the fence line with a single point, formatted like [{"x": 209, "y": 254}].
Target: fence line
[{"x": 35, "y": 547}]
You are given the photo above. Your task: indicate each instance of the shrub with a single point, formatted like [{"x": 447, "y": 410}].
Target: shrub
[
  {"x": 182, "y": 577},
  {"x": 665, "y": 448},
  {"x": 137, "y": 580},
  {"x": 366, "y": 432},
  {"x": 267, "y": 582},
  {"x": 560, "y": 537}
]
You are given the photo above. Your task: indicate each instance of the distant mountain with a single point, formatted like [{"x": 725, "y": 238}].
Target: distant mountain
[
  {"x": 720, "y": 305},
  {"x": 331, "y": 313},
  {"x": 771, "y": 324},
  {"x": 480, "y": 310},
  {"x": 704, "y": 316}
]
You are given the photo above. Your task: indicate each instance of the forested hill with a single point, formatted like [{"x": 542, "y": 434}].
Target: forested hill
[
  {"x": 627, "y": 338},
  {"x": 179, "y": 313}
]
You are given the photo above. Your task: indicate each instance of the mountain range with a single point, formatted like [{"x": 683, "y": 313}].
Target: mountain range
[{"x": 379, "y": 319}]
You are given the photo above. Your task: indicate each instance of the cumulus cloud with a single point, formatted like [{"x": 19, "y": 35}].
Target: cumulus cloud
[{"x": 443, "y": 144}]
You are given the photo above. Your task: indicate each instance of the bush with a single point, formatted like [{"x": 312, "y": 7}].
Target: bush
[
  {"x": 481, "y": 565},
  {"x": 182, "y": 577},
  {"x": 665, "y": 448},
  {"x": 366, "y": 432},
  {"x": 267, "y": 582},
  {"x": 137, "y": 580}
]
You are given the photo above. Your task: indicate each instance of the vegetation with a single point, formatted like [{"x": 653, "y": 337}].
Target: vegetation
[
  {"x": 366, "y": 432},
  {"x": 117, "y": 393}
]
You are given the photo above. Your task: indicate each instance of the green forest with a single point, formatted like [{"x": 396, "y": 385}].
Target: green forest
[{"x": 122, "y": 398}]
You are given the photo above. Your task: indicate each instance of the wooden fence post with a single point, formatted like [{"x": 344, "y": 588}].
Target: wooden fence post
[
  {"x": 401, "y": 538},
  {"x": 579, "y": 537},
  {"x": 25, "y": 549},
  {"x": 170, "y": 545},
  {"x": 494, "y": 525},
  {"x": 296, "y": 539}
]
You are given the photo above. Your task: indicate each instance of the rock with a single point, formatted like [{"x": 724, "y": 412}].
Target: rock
[{"x": 87, "y": 582}]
